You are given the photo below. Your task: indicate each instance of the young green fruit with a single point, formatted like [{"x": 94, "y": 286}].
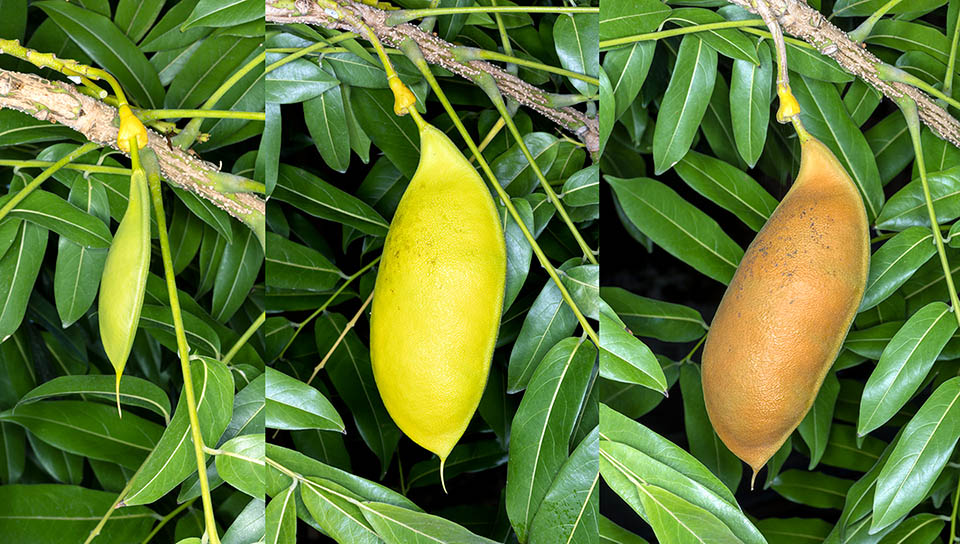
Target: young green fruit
[
  {"x": 124, "y": 279},
  {"x": 438, "y": 297},
  {"x": 785, "y": 314}
]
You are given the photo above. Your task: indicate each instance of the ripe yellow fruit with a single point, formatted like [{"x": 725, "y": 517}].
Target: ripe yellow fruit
[
  {"x": 438, "y": 297},
  {"x": 785, "y": 314}
]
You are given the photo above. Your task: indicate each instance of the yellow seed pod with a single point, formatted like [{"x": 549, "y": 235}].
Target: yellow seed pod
[
  {"x": 438, "y": 297},
  {"x": 124, "y": 279},
  {"x": 130, "y": 127}
]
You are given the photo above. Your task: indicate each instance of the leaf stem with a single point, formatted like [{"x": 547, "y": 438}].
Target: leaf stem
[
  {"x": 909, "y": 109},
  {"x": 406, "y": 15},
  {"x": 466, "y": 54},
  {"x": 948, "y": 76},
  {"x": 243, "y": 339},
  {"x": 350, "y": 324},
  {"x": 679, "y": 31},
  {"x": 866, "y": 27},
  {"x": 153, "y": 177},
  {"x": 91, "y": 168},
  {"x": 152, "y": 115},
  {"x": 323, "y": 307},
  {"x": 30, "y": 187},
  {"x": 190, "y": 132},
  {"x": 166, "y": 519},
  {"x": 487, "y": 83}
]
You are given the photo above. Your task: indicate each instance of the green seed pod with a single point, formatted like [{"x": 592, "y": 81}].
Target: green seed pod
[{"x": 124, "y": 279}]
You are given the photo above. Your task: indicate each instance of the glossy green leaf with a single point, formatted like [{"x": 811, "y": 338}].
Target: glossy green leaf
[
  {"x": 893, "y": 264},
  {"x": 904, "y": 364},
  {"x": 540, "y": 435},
  {"x": 685, "y": 101},
  {"x": 678, "y": 227},
  {"x": 750, "y": 85},
  {"x": 241, "y": 463},
  {"x": 134, "y": 391},
  {"x": 292, "y": 404},
  {"x": 728, "y": 187},
  {"x": 174, "y": 459}
]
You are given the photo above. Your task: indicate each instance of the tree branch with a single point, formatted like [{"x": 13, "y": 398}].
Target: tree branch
[
  {"x": 61, "y": 103},
  {"x": 797, "y": 18},
  {"x": 438, "y": 52}
]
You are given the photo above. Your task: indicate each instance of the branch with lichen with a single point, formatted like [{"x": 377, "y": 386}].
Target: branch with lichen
[
  {"x": 64, "y": 104},
  {"x": 357, "y": 17},
  {"x": 795, "y": 17}
]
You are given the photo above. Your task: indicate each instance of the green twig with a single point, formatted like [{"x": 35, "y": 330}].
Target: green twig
[
  {"x": 323, "y": 307},
  {"x": 153, "y": 177},
  {"x": 243, "y": 339},
  {"x": 489, "y": 86},
  {"x": 909, "y": 109},
  {"x": 466, "y": 54},
  {"x": 166, "y": 519},
  {"x": 866, "y": 27},
  {"x": 23, "y": 193},
  {"x": 406, "y": 15},
  {"x": 743, "y": 24},
  {"x": 152, "y": 115}
]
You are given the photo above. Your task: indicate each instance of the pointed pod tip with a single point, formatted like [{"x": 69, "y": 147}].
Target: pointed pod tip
[{"x": 443, "y": 482}]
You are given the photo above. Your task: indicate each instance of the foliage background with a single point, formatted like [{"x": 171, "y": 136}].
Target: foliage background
[
  {"x": 68, "y": 435},
  {"x": 335, "y": 223}
]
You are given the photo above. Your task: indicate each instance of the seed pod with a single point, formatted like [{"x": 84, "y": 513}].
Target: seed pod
[
  {"x": 438, "y": 297},
  {"x": 124, "y": 279},
  {"x": 785, "y": 314}
]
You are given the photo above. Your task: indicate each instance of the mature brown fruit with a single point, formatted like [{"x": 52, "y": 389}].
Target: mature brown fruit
[{"x": 784, "y": 316}]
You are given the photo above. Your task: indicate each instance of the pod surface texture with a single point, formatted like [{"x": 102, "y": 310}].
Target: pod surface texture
[
  {"x": 438, "y": 298},
  {"x": 785, "y": 314}
]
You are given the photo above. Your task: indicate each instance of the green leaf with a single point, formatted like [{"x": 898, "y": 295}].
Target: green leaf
[
  {"x": 730, "y": 42},
  {"x": 812, "y": 488},
  {"x": 290, "y": 265},
  {"x": 466, "y": 457},
  {"x": 540, "y": 435},
  {"x": 326, "y": 118},
  {"x": 815, "y": 427},
  {"x": 727, "y": 186},
  {"x": 647, "y": 317},
  {"x": 397, "y": 137},
  {"x": 685, "y": 101},
  {"x": 337, "y": 511},
  {"x": 705, "y": 445},
  {"x": 627, "y": 69},
  {"x": 282, "y": 518},
  {"x": 904, "y": 364},
  {"x": 569, "y": 510},
  {"x": 750, "y": 104},
  {"x": 919, "y": 529},
  {"x": 89, "y": 429},
  {"x": 794, "y": 529},
  {"x": 174, "y": 459},
  {"x": 64, "y": 467},
  {"x": 920, "y": 455},
  {"x": 78, "y": 268},
  {"x": 908, "y": 207},
  {"x": 678, "y": 227},
  {"x": 65, "y": 514},
  {"x": 18, "y": 272},
  {"x": 318, "y": 198},
  {"x": 219, "y": 13},
  {"x": 292, "y": 404},
  {"x": 620, "y": 19},
  {"x": 241, "y": 463},
  {"x": 217, "y": 58},
  {"x": 250, "y": 524},
  {"x": 624, "y": 358},
  {"x": 675, "y": 519},
  {"x": 547, "y": 322},
  {"x": 238, "y": 271},
  {"x": 519, "y": 251},
  {"x": 106, "y": 44},
  {"x": 296, "y": 81},
  {"x": 401, "y": 526},
  {"x": 134, "y": 391},
  {"x": 576, "y": 40},
  {"x": 893, "y": 264},
  {"x": 352, "y": 376}
]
